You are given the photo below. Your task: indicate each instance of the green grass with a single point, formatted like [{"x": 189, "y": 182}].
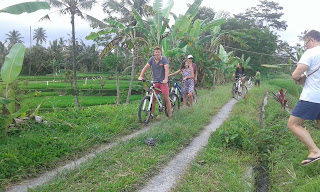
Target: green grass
[
  {"x": 129, "y": 165},
  {"x": 286, "y": 172},
  {"x": 35, "y": 148},
  {"x": 68, "y": 101},
  {"x": 231, "y": 150},
  {"x": 109, "y": 84}
]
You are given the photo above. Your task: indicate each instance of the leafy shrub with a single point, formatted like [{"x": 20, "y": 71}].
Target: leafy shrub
[{"x": 238, "y": 132}]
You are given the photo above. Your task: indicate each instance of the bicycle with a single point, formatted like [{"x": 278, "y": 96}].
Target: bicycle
[
  {"x": 145, "y": 107},
  {"x": 249, "y": 83},
  {"x": 176, "y": 88},
  {"x": 238, "y": 88}
]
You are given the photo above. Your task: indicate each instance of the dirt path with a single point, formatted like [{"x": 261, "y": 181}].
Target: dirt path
[
  {"x": 170, "y": 175},
  {"x": 46, "y": 177}
]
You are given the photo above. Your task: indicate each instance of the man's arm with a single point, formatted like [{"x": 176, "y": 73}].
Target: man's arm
[
  {"x": 298, "y": 72},
  {"x": 143, "y": 71},
  {"x": 166, "y": 73},
  {"x": 196, "y": 76}
]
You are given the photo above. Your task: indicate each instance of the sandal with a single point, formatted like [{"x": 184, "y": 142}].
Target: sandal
[{"x": 310, "y": 160}]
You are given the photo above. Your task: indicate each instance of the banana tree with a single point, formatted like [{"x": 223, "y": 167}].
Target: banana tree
[
  {"x": 125, "y": 36},
  {"x": 9, "y": 73},
  {"x": 12, "y": 67},
  {"x": 195, "y": 42}
]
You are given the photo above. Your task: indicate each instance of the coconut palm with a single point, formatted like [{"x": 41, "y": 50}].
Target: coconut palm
[
  {"x": 40, "y": 36},
  {"x": 14, "y": 37},
  {"x": 122, "y": 10},
  {"x": 75, "y": 7}
]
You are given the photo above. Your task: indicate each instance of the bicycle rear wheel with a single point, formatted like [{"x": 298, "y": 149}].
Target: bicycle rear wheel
[
  {"x": 145, "y": 110},
  {"x": 175, "y": 103}
]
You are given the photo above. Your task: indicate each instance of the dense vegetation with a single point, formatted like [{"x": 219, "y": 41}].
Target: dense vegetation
[{"x": 80, "y": 91}]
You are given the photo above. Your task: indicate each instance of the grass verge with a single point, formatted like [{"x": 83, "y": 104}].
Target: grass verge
[
  {"x": 224, "y": 163},
  {"x": 34, "y": 148},
  {"x": 285, "y": 170}
]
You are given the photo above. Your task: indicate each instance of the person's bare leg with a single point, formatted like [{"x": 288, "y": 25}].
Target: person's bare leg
[
  {"x": 318, "y": 123},
  {"x": 184, "y": 100},
  {"x": 168, "y": 104},
  {"x": 190, "y": 98},
  {"x": 295, "y": 126}
]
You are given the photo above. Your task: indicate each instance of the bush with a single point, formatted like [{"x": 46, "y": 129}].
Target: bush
[{"x": 239, "y": 133}]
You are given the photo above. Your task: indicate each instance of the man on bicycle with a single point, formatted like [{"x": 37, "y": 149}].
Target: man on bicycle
[
  {"x": 240, "y": 73},
  {"x": 160, "y": 71}
]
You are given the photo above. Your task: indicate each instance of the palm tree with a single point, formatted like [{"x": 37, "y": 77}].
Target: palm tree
[
  {"x": 75, "y": 7},
  {"x": 40, "y": 36},
  {"x": 123, "y": 9},
  {"x": 14, "y": 37},
  {"x": 3, "y": 52}
]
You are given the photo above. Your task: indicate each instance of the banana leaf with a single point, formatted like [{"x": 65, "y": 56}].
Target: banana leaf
[
  {"x": 167, "y": 9},
  {"x": 193, "y": 9},
  {"x": 28, "y": 7},
  {"x": 18, "y": 113},
  {"x": 5, "y": 101},
  {"x": 271, "y": 66},
  {"x": 109, "y": 47},
  {"x": 13, "y": 63},
  {"x": 115, "y": 23}
]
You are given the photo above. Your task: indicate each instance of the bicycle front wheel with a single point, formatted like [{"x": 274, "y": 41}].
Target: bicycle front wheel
[
  {"x": 175, "y": 103},
  {"x": 244, "y": 90},
  {"x": 195, "y": 96},
  {"x": 234, "y": 91},
  {"x": 145, "y": 110}
]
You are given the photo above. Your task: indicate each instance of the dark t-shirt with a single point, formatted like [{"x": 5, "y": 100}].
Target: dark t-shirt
[
  {"x": 239, "y": 71},
  {"x": 158, "y": 71}
]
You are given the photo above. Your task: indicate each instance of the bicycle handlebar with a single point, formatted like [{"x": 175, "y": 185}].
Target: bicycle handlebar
[{"x": 145, "y": 80}]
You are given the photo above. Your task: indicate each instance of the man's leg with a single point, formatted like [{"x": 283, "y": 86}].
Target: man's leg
[
  {"x": 294, "y": 124},
  {"x": 168, "y": 104}
]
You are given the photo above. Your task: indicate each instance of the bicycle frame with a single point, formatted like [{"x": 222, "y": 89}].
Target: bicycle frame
[
  {"x": 152, "y": 90},
  {"x": 177, "y": 88}
]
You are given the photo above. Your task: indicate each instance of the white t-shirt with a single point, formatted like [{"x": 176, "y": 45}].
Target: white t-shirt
[{"x": 311, "y": 88}]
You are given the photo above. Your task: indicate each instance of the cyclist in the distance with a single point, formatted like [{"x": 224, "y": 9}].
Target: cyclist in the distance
[
  {"x": 160, "y": 71},
  {"x": 240, "y": 73}
]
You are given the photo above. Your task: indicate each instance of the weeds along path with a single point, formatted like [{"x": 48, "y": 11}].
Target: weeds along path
[
  {"x": 46, "y": 177},
  {"x": 166, "y": 179}
]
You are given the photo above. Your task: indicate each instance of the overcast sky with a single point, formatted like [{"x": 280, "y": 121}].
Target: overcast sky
[{"x": 300, "y": 16}]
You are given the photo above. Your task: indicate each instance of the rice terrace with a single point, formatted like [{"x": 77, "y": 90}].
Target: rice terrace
[{"x": 151, "y": 99}]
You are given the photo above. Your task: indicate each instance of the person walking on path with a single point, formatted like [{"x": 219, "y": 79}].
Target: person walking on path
[
  {"x": 308, "y": 106},
  {"x": 186, "y": 70},
  {"x": 160, "y": 71},
  {"x": 257, "y": 76}
]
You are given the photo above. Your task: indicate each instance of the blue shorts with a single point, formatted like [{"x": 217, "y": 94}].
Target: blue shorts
[{"x": 307, "y": 110}]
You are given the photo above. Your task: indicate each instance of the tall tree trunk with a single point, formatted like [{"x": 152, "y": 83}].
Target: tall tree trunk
[
  {"x": 135, "y": 54},
  {"x": 74, "y": 61},
  {"x": 118, "y": 88},
  {"x": 214, "y": 77}
]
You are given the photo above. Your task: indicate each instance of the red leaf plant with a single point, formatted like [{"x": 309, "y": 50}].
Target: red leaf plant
[{"x": 281, "y": 98}]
